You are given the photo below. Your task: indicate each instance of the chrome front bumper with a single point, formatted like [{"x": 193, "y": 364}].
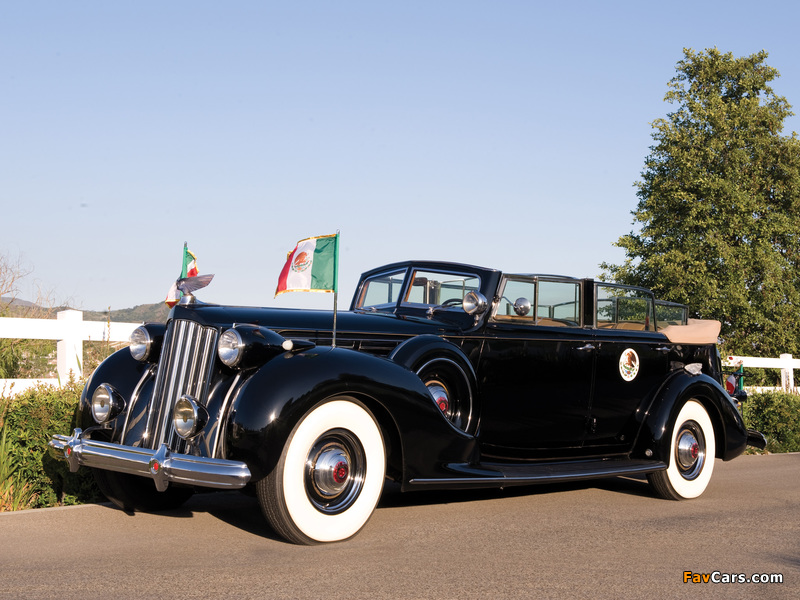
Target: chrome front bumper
[{"x": 162, "y": 466}]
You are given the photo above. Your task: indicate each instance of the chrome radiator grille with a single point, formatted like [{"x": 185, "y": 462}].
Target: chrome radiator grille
[{"x": 187, "y": 358}]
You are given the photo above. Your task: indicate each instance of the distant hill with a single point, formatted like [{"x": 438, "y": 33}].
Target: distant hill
[
  {"x": 148, "y": 313},
  {"x": 15, "y": 302}
]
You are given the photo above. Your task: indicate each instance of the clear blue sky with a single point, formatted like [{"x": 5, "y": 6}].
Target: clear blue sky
[{"x": 505, "y": 134}]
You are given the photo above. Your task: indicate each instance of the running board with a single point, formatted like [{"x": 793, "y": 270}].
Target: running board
[{"x": 501, "y": 475}]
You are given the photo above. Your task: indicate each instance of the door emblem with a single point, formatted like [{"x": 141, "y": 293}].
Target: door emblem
[{"x": 629, "y": 364}]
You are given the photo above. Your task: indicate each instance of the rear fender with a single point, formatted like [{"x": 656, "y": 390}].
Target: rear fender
[
  {"x": 729, "y": 430},
  {"x": 268, "y": 406}
]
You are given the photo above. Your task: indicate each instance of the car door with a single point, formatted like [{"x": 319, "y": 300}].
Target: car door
[
  {"x": 632, "y": 362},
  {"x": 535, "y": 370}
]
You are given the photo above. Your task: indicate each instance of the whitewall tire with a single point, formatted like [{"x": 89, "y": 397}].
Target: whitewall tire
[
  {"x": 329, "y": 477},
  {"x": 691, "y": 455}
]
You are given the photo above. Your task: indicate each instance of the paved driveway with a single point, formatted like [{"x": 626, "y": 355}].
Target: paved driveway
[{"x": 605, "y": 539}]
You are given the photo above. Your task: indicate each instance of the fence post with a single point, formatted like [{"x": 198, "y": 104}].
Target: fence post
[
  {"x": 70, "y": 346},
  {"x": 787, "y": 373}
]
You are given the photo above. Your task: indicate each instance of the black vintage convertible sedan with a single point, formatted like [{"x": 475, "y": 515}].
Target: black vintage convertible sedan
[{"x": 440, "y": 375}]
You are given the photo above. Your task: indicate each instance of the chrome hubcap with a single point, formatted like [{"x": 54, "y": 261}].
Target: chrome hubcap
[
  {"x": 335, "y": 469},
  {"x": 330, "y": 470},
  {"x": 690, "y": 450}
]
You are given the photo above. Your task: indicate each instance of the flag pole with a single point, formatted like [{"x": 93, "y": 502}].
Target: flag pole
[{"x": 335, "y": 285}]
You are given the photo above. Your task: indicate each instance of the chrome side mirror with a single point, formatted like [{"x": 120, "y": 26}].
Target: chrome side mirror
[{"x": 522, "y": 306}]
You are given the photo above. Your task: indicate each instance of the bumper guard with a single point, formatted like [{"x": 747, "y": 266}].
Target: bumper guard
[{"x": 162, "y": 466}]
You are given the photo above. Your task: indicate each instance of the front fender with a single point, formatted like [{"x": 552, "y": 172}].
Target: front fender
[
  {"x": 123, "y": 373},
  {"x": 729, "y": 428},
  {"x": 270, "y": 404}
]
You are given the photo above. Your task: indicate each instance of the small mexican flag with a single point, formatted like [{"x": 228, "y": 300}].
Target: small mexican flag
[
  {"x": 312, "y": 266},
  {"x": 189, "y": 269}
]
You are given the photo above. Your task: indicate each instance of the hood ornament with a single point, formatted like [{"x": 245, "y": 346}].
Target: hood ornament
[{"x": 188, "y": 285}]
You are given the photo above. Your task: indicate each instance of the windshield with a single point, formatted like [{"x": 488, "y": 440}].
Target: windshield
[
  {"x": 424, "y": 288},
  {"x": 382, "y": 291}
]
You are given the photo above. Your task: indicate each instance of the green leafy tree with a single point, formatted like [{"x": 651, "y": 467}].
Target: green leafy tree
[{"x": 719, "y": 204}]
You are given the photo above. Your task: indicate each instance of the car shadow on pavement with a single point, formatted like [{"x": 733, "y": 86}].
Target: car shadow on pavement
[
  {"x": 242, "y": 511},
  {"x": 236, "y": 508}
]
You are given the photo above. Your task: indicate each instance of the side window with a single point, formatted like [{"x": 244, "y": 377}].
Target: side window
[
  {"x": 558, "y": 304},
  {"x": 521, "y": 293},
  {"x": 624, "y": 308},
  {"x": 440, "y": 289}
]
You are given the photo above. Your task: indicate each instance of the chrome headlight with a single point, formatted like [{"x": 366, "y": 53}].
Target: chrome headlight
[
  {"x": 230, "y": 347},
  {"x": 474, "y": 303},
  {"x": 106, "y": 403},
  {"x": 188, "y": 417},
  {"x": 141, "y": 343}
]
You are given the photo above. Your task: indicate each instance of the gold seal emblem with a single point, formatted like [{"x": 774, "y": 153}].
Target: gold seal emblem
[{"x": 629, "y": 364}]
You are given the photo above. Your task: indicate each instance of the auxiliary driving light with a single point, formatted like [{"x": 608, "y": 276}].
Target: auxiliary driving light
[
  {"x": 188, "y": 417},
  {"x": 106, "y": 403}
]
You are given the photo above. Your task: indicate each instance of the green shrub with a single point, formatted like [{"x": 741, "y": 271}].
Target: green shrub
[
  {"x": 15, "y": 494},
  {"x": 28, "y": 421},
  {"x": 777, "y": 416}
]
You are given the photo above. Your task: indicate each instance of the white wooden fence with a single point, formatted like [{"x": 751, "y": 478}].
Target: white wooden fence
[
  {"x": 70, "y": 331},
  {"x": 785, "y": 363}
]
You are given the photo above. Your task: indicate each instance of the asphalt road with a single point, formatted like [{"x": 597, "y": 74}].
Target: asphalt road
[{"x": 605, "y": 539}]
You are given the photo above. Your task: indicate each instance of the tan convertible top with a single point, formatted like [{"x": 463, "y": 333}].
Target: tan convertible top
[{"x": 698, "y": 331}]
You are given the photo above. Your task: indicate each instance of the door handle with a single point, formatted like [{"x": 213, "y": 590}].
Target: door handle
[
  {"x": 585, "y": 348},
  {"x": 664, "y": 349}
]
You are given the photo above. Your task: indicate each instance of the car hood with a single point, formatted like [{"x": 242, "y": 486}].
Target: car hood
[{"x": 307, "y": 323}]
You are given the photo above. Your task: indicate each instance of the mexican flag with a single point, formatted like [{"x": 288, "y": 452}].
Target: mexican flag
[
  {"x": 311, "y": 266},
  {"x": 189, "y": 269}
]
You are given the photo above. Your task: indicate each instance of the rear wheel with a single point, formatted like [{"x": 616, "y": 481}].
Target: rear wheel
[
  {"x": 691, "y": 457},
  {"x": 329, "y": 477},
  {"x": 132, "y": 493}
]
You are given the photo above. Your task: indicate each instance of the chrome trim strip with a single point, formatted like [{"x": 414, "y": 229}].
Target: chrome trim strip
[
  {"x": 162, "y": 466},
  {"x": 490, "y": 481},
  {"x": 222, "y": 420},
  {"x": 163, "y": 365},
  {"x": 148, "y": 373}
]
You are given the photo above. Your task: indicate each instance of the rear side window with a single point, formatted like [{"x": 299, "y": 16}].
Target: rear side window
[
  {"x": 558, "y": 303},
  {"x": 620, "y": 307}
]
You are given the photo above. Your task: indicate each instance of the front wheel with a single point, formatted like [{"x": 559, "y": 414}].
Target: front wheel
[
  {"x": 329, "y": 477},
  {"x": 691, "y": 456}
]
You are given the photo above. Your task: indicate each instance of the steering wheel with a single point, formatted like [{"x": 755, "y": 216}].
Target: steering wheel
[{"x": 451, "y": 302}]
